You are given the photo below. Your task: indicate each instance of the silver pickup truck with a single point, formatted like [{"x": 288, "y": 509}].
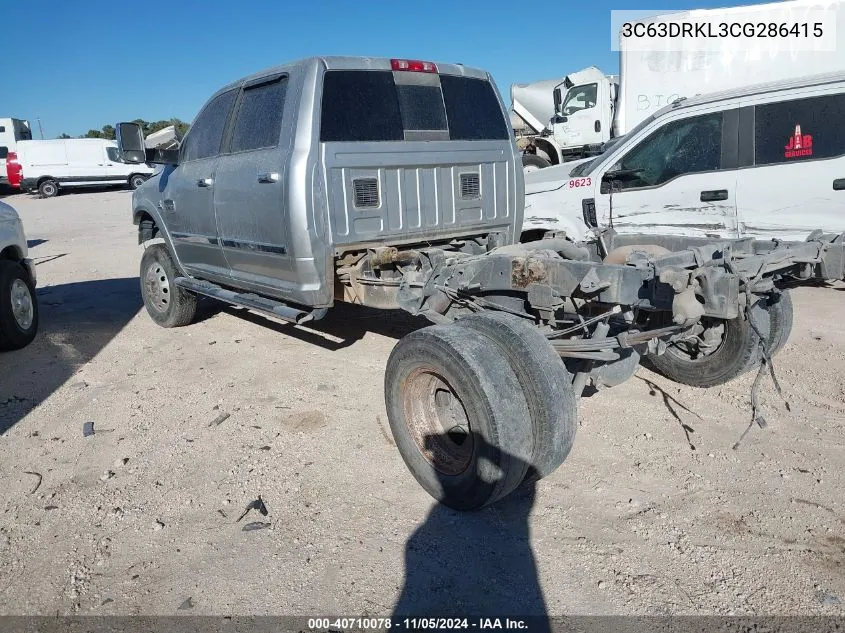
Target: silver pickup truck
[{"x": 396, "y": 183}]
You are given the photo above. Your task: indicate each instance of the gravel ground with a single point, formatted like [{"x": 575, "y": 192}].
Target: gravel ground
[{"x": 653, "y": 512}]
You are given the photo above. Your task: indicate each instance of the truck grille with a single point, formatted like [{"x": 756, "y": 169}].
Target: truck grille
[
  {"x": 366, "y": 193},
  {"x": 470, "y": 186}
]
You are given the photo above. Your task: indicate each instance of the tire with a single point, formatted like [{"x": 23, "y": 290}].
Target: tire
[
  {"x": 532, "y": 162},
  {"x": 780, "y": 311},
  {"x": 167, "y": 304},
  {"x": 48, "y": 188},
  {"x": 18, "y": 306},
  {"x": 545, "y": 382},
  {"x": 136, "y": 180},
  {"x": 458, "y": 416},
  {"x": 738, "y": 353}
]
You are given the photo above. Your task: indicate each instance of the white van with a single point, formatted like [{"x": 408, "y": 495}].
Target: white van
[
  {"x": 766, "y": 161},
  {"x": 48, "y": 166},
  {"x": 11, "y": 132}
]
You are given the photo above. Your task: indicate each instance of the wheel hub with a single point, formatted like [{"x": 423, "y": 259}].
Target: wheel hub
[
  {"x": 157, "y": 287},
  {"x": 438, "y": 422},
  {"x": 23, "y": 308}
]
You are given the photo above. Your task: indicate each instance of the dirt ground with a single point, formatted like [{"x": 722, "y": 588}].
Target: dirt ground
[{"x": 653, "y": 512}]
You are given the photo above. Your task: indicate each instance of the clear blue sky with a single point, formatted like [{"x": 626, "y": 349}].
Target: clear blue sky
[{"x": 76, "y": 67}]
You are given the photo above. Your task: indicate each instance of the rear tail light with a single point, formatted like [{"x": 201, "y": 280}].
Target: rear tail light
[
  {"x": 13, "y": 170},
  {"x": 413, "y": 65}
]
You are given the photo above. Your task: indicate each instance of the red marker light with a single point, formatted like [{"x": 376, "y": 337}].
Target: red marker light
[
  {"x": 13, "y": 170},
  {"x": 413, "y": 65}
]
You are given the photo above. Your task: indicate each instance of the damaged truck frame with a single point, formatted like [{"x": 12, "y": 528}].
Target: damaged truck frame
[{"x": 284, "y": 198}]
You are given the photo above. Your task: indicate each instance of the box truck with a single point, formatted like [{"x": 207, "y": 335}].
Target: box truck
[{"x": 589, "y": 107}]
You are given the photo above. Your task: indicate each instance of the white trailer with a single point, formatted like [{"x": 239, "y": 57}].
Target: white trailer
[{"x": 590, "y": 107}]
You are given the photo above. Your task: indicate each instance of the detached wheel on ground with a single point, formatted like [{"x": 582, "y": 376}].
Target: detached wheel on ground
[
  {"x": 532, "y": 162},
  {"x": 458, "y": 415},
  {"x": 545, "y": 381},
  {"x": 168, "y": 304},
  {"x": 136, "y": 180},
  {"x": 18, "y": 307},
  {"x": 719, "y": 353},
  {"x": 48, "y": 189}
]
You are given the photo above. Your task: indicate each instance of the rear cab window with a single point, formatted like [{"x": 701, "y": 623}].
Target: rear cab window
[
  {"x": 365, "y": 105},
  {"x": 799, "y": 130}
]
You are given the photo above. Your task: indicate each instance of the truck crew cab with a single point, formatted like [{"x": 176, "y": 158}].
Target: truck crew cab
[{"x": 396, "y": 184}]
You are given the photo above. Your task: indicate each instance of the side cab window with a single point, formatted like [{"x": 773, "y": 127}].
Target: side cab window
[
  {"x": 258, "y": 123},
  {"x": 799, "y": 129},
  {"x": 684, "y": 146},
  {"x": 206, "y": 134}
]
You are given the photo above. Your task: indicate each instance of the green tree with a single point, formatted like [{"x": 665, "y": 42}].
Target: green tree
[
  {"x": 108, "y": 132},
  {"x": 63, "y": 135},
  {"x": 93, "y": 134}
]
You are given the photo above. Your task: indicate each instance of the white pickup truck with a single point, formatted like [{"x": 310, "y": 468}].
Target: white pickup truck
[{"x": 18, "y": 307}]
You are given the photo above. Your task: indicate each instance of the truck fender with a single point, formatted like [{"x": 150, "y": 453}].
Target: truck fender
[
  {"x": 548, "y": 149},
  {"x": 161, "y": 235}
]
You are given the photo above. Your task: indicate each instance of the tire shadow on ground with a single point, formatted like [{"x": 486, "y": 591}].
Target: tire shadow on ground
[
  {"x": 76, "y": 321},
  {"x": 477, "y": 564},
  {"x": 345, "y": 321}
]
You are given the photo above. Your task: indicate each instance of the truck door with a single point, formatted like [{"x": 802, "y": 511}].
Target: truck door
[
  {"x": 680, "y": 179},
  {"x": 586, "y": 116},
  {"x": 794, "y": 182},
  {"x": 250, "y": 195},
  {"x": 187, "y": 204}
]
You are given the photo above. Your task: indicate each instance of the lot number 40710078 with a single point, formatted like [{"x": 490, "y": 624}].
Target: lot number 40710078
[{"x": 580, "y": 182}]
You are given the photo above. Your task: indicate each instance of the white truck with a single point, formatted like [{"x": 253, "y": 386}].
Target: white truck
[
  {"x": 589, "y": 107},
  {"x": 11, "y": 131}
]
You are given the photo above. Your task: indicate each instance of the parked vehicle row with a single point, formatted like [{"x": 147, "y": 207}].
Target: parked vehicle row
[
  {"x": 765, "y": 161},
  {"x": 573, "y": 117}
]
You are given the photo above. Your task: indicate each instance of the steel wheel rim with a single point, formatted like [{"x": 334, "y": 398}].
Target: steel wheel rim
[
  {"x": 23, "y": 308},
  {"x": 715, "y": 329},
  {"x": 157, "y": 286},
  {"x": 49, "y": 190},
  {"x": 437, "y": 421},
  {"x": 137, "y": 182}
]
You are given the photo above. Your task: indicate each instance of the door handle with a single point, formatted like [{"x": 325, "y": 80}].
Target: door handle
[
  {"x": 713, "y": 196},
  {"x": 271, "y": 176},
  {"x": 839, "y": 184},
  {"x": 205, "y": 182}
]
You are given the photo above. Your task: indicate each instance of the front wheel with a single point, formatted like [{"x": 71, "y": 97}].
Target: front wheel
[
  {"x": 167, "y": 304},
  {"x": 458, "y": 415},
  {"x": 18, "y": 307},
  {"x": 716, "y": 352},
  {"x": 136, "y": 180},
  {"x": 532, "y": 162}
]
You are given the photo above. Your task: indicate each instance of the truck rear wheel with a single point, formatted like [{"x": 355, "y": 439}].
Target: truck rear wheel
[
  {"x": 167, "y": 304},
  {"x": 458, "y": 415},
  {"x": 723, "y": 351},
  {"x": 545, "y": 381},
  {"x": 48, "y": 188},
  {"x": 532, "y": 162},
  {"x": 18, "y": 307}
]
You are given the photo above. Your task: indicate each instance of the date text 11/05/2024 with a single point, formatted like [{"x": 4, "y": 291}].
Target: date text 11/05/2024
[{"x": 422, "y": 623}]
